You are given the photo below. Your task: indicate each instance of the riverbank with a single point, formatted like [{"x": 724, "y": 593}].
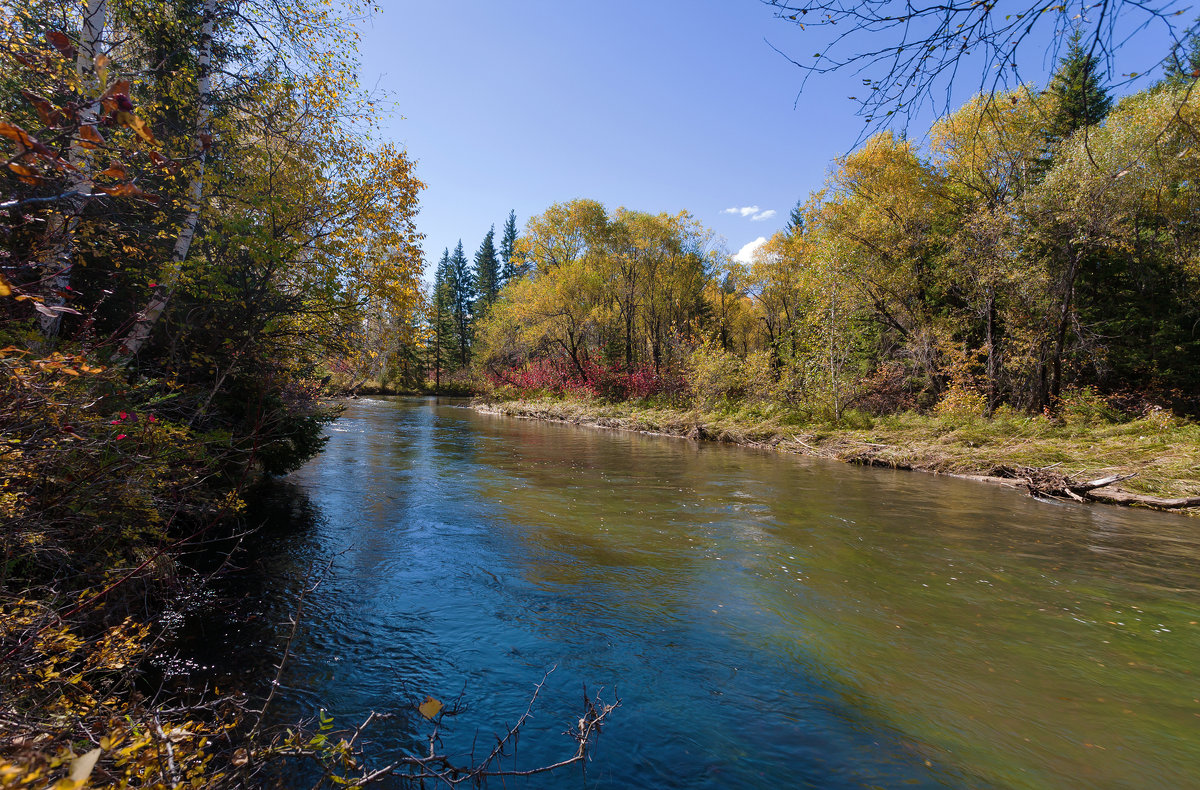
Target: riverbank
[{"x": 1150, "y": 462}]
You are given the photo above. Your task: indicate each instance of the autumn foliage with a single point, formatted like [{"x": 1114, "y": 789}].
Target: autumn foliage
[{"x": 182, "y": 257}]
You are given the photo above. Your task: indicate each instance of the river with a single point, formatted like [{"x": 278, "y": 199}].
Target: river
[{"x": 766, "y": 620}]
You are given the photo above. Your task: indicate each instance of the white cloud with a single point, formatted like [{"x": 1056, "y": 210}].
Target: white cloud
[
  {"x": 746, "y": 253},
  {"x": 745, "y": 211},
  {"x": 763, "y": 215}
]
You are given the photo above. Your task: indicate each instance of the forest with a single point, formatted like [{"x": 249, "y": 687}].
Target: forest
[{"x": 1041, "y": 248}]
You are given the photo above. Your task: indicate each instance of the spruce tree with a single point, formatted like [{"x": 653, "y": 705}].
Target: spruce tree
[
  {"x": 1080, "y": 98},
  {"x": 510, "y": 268},
  {"x": 442, "y": 329},
  {"x": 462, "y": 287},
  {"x": 487, "y": 270},
  {"x": 1182, "y": 66},
  {"x": 795, "y": 223}
]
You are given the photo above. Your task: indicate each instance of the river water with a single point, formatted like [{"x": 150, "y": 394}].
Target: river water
[{"x": 766, "y": 620}]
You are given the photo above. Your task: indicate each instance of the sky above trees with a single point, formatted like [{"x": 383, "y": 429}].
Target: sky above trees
[{"x": 656, "y": 106}]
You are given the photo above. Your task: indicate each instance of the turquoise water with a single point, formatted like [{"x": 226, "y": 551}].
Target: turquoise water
[{"x": 765, "y": 620}]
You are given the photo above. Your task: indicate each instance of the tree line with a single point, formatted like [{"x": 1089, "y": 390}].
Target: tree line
[{"x": 1044, "y": 240}]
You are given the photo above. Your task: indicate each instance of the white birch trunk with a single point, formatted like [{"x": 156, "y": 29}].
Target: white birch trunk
[
  {"x": 62, "y": 226},
  {"x": 144, "y": 324}
]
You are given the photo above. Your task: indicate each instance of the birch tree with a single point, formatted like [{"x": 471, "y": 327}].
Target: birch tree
[
  {"x": 89, "y": 65},
  {"x": 201, "y": 140}
]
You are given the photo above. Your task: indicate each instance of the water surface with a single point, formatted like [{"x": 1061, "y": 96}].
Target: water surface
[{"x": 766, "y": 620}]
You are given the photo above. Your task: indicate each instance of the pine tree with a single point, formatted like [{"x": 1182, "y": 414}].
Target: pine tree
[
  {"x": 487, "y": 270},
  {"x": 462, "y": 288},
  {"x": 1080, "y": 98},
  {"x": 508, "y": 243}
]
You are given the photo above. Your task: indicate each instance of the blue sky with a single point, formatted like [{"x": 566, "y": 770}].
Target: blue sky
[{"x": 656, "y": 105}]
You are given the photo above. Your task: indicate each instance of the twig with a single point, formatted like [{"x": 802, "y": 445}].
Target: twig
[{"x": 287, "y": 649}]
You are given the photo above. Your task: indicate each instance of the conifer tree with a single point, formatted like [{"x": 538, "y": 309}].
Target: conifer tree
[
  {"x": 462, "y": 289},
  {"x": 1182, "y": 66},
  {"x": 441, "y": 320},
  {"x": 487, "y": 270},
  {"x": 1080, "y": 98},
  {"x": 795, "y": 223},
  {"x": 510, "y": 268}
]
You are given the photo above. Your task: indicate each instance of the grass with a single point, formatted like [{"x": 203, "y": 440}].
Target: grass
[{"x": 1162, "y": 450}]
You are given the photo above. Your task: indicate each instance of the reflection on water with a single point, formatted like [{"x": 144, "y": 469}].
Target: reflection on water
[{"x": 767, "y": 621}]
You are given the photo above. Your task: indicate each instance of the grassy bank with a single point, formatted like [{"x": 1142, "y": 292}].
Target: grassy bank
[{"x": 1053, "y": 456}]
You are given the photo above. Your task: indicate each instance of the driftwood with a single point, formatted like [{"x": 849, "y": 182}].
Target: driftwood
[
  {"x": 1129, "y": 498},
  {"x": 1042, "y": 482}
]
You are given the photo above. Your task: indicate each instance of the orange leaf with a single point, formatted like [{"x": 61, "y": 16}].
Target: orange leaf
[
  {"x": 126, "y": 190},
  {"x": 60, "y": 42},
  {"x": 16, "y": 134},
  {"x": 23, "y": 139},
  {"x": 25, "y": 61},
  {"x": 91, "y": 138},
  {"x": 27, "y": 175},
  {"x": 110, "y": 99},
  {"x": 115, "y": 170},
  {"x": 46, "y": 112}
]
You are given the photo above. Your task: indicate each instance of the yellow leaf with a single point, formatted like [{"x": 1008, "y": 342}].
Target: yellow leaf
[
  {"x": 5, "y": 290},
  {"x": 81, "y": 767},
  {"x": 430, "y": 708}
]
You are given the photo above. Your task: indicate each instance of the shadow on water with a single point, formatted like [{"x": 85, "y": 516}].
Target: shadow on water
[{"x": 768, "y": 621}]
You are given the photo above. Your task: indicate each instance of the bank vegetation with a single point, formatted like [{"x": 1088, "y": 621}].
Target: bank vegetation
[{"x": 1019, "y": 294}]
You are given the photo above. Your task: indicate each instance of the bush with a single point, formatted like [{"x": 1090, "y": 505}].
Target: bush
[
  {"x": 1087, "y": 407},
  {"x": 962, "y": 402},
  {"x": 719, "y": 377}
]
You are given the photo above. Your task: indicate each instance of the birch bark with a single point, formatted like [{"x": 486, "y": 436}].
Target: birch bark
[
  {"x": 161, "y": 297},
  {"x": 61, "y": 257}
]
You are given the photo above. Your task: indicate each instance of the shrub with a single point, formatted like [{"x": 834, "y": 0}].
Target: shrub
[
  {"x": 719, "y": 377},
  {"x": 961, "y": 401},
  {"x": 1087, "y": 407}
]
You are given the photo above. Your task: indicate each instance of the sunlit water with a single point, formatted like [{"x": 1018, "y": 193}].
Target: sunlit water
[{"x": 766, "y": 620}]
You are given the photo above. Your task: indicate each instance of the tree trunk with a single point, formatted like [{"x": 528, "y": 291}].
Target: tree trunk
[
  {"x": 1064, "y": 321},
  {"x": 993, "y": 388},
  {"x": 161, "y": 297},
  {"x": 62, "y": 227}
]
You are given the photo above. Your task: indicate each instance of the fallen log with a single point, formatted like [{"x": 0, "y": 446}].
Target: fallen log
[
  {"x": 1083, "y": 488},
  {"x": 1129, "y": 498}
]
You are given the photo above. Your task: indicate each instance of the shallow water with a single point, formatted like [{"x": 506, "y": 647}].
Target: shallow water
[{"x": 766, "y": 620}]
